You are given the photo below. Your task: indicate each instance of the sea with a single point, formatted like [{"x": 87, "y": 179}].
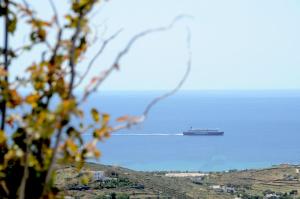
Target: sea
[{"x": 262, "y": 129}]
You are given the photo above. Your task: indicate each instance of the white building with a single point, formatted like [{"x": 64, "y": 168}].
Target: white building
[
  {"x": 271, "y": 196},
  {"x": 94, "y": 175},
  {"x": 98, "y": 175}
]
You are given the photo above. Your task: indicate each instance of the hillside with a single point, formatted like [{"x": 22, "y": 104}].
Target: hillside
[{"x": 277, "y": 182}]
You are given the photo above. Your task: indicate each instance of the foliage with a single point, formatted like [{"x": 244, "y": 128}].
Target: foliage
[
  {"x": 37, "y": 127},
  {"x": 27, "y": 144}
]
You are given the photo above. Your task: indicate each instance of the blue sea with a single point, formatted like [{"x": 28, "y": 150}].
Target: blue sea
[{"x": 262, "y": 128}]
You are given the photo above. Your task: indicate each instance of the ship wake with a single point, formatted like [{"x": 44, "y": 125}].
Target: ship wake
[{"x": 147, "y": 134}]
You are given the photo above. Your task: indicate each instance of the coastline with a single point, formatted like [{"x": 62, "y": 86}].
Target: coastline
[{"x": 281, "y": 179}]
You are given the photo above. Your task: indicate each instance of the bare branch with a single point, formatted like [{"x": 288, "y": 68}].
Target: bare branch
[
  {"x": 72, "y": 55},
  {"x": 56, "y": 17},
  {"x": 25, "y": 174},
  {"x": 127, "y": 48},
  {"x": 26, "y": 4},
  {"x": 97, "y": 11},
  {"x": 73, "y": 48},
  {"x": 53, "y": 159},
  {"x": 186, "y": 74},
  {"x": 100, "y": 51},
  {"x": 139, "y": 119},
  {"x": 6, "y": 62}
]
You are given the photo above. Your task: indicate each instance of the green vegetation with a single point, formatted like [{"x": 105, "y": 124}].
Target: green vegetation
[{"x": 281, "y": 181}]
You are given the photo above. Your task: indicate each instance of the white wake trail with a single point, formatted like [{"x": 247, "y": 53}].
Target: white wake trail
[{"x": 147, "y": 134}]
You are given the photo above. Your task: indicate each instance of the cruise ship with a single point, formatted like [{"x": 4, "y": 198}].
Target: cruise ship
[{"x": 204, "y": 132}]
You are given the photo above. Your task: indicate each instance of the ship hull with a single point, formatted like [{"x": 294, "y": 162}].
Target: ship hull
[{"x": 203, "y": 133}]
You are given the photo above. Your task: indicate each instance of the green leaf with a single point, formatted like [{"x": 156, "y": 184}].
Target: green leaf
[{"x": 12, "y": 23}]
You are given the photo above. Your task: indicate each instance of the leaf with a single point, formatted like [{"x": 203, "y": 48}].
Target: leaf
[
  {"x": 3, "y": 72},
  {"x": 67, "y": 105},
  {"x": 97, "y": 153},
  {"x": 14, "y": 99},
  {"x": 32, "y": 99},
  {"x": 42, "y": 34},
  {"x": 12, "y": 23},
  {"x": 79, "y": 113},
  {"x": 105, "y": 119},
  {"x": 95, "y": 115},
  {"x": 98, "y": 133},
  {"x": 2, "y": 137},
  {"x": 123, "y": 118},
  {"x": 33, "y": 162},
  {"x": 10, "y": 121},
  {"x": 85, "y": 179},
  {"x": 72, "y": 147}
]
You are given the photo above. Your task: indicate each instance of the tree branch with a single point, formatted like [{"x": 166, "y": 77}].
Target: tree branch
[
  {"x": 100, "y": 51},
  {"x": 139, "y": 119},
  {"x": 72, "y": 55},
  {"x": 72, "y": 64},
  {"x": 56, "y": 17},
  {"x": 26, "y": 173},
  {"x": 122, "y": 53},
  {"x": 52, "y": 160},
  {"x": 6, "y": 63},
  {"x": 73, "y": 47},
  {"x": 186, "y": 74}
]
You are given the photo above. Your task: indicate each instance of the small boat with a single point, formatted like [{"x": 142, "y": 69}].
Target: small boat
[{"x": 204, "y": 132}]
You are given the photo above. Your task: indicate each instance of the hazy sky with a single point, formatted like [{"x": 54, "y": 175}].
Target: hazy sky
[{"x": 236, "y": 44}]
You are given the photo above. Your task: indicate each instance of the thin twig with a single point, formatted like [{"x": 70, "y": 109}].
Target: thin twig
[
  {"x": 186, "y": 74},
  {"x": 122, "y": 53},
  {"x": 26, "y": 4},
  {"x": 139, "y": 119},
  {"x": 100, "y": 51},
  {"x": 73, "y": 47},
  {"x": 56, "y": 17},
  {"x": 72, "y": 53}
]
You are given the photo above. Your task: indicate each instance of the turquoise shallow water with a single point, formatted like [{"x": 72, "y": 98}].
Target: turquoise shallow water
[{"x": 262, "y": 128}]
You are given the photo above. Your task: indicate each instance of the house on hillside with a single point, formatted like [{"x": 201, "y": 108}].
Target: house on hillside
[
  {"x": 94, "y": 175},
  {"x": 271, "y": 196},
  {"x": 98, "y": 175}
]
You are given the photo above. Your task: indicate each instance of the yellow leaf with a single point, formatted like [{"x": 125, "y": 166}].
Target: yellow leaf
[
  {"x": 105, "y": 119},
  {"x": 95, "y": 115},
  {"x": 33, "y": 162},
  {"x": 98, "y": 133},
  {"x": 2, "y": 137},
  {"x": 32, "y": 99},
  {"x": 85, "y": 179},
  {"x": 97, "y": 153},
  {"x": 14, "y": 99},
  {"x": 10, "y": 155},
  {"x": 71, "y": 146}
]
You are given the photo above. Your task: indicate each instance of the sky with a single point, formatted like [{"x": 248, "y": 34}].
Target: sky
[{"x": 236, "y": 44}]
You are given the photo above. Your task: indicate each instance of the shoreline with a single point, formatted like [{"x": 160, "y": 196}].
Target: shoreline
[
  {"x": 283, "y": 179},
  {"x": 242, "y": 168}
]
